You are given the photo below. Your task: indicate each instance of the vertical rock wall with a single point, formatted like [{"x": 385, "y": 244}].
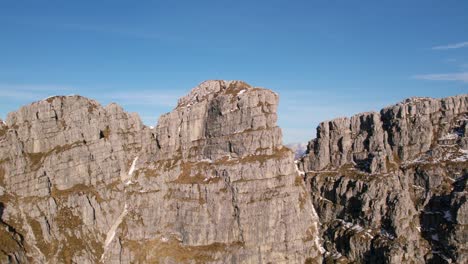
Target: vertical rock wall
[
  {"x": 211, "y": 183},
  {"x": 390, "y": 187}
]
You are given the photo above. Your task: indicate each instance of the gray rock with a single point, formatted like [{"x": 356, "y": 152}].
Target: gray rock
[
  {"x": 210, "y": 183},
  {"x": 390, "y": 187}
]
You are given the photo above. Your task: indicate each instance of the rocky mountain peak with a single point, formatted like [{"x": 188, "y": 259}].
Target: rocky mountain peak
[
  {"x": 211, "y": 88},
  {"x": 230, "y": 117},
  {"x": 210, "y": 183},
  {"x": 382, "y": 183}
]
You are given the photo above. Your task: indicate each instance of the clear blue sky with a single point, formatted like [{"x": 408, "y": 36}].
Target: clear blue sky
[{"x": 325, "y": 58}]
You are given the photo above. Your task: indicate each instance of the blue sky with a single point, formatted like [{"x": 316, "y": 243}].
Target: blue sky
[{"x": 325, "y": 58}]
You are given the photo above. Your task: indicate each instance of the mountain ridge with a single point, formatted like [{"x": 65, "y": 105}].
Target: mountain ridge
[{"x": 213, "y": 182}]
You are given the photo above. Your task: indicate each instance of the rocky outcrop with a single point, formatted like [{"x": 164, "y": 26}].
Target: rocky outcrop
[
  {"x": 390, "y": 187},
  {"x": 211, "y": 183}
]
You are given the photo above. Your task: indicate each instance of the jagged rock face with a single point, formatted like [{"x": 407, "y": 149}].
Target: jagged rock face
[
  {"x": 59, "y": 158},
  {"x": 211, "y": 183},
  {"x": 390, "y": 187},
  {"x": 372, "y": 140}
]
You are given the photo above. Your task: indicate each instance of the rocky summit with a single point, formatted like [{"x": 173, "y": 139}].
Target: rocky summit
[{"x": 212, "y": 183}]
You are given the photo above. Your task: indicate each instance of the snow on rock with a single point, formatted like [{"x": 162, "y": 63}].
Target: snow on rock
[
  {"x": 111, "y": 233},
  {"x": 319, "y": 245},
  {"x": 449, "y": 136},
  {"x": 241, "y": 92},
  {"x": 357, "y": 228},
  {"x": 463, "y": 157},
  {"x": 132, "y": 168},
  {"x": 299, "y": 171},
  {"x": 127, "y": 179}
]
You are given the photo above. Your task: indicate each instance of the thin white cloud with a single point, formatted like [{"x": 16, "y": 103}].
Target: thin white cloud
[
  {"x": 27, "y": 92},
  {"x": 451, "y": 46},
  {"x": 135, "y": 33},
  {"x": 33, "y": 87},
  {"x": 461, "y": 77},
  {"x": 30, "y": 92}
]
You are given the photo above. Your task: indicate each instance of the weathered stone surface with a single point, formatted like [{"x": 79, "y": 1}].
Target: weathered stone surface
[
  {"x": 390, "y": 187},
  {"x": 373, "y": 141},
  {"x": 211, "y": 183}
]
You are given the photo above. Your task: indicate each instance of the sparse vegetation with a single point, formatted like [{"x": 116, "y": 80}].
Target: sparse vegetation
[
  {"x": 77, "y": 189},
  {"x": 38, "y": 158},
  {"x": 155, "y": 251}
]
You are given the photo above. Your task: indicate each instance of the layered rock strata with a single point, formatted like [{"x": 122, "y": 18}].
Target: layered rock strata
[
  {"x": 390, "y": 186},
  {"x": 211, "y": 183}
]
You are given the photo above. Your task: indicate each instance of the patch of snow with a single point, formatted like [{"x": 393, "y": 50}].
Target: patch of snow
[
  {"x": 336, "y": 255},
  {"x": 128, "y": 182},
  {"x": 241, "y": 92},
  {"x": 324, "y": 199},
  {"x": 52, "y": 96},
  {"x": 319, "y": 245},
  {"x": 449, "y": 136},
  {"x": 111, "y": 233},
  {"x": 132, "y": 168},
  {"x": 357, "y": 228},
  {"x": 464, "y": 155},
  {"x": 299, "y": 171},
  {"x": 209, "y": 178},
  {"x": 207, "y": 160},
  {"x": 164, "y": 239},
  {"x": 128, "y": 179}
]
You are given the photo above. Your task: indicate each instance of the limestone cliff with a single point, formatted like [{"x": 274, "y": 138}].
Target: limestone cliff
[
  {"x": 211, "y": 183},
  {"x": 390, "y": 187}
]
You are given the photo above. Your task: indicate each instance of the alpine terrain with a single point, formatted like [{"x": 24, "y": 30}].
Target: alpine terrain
[{"x": 213, "y": 183}]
